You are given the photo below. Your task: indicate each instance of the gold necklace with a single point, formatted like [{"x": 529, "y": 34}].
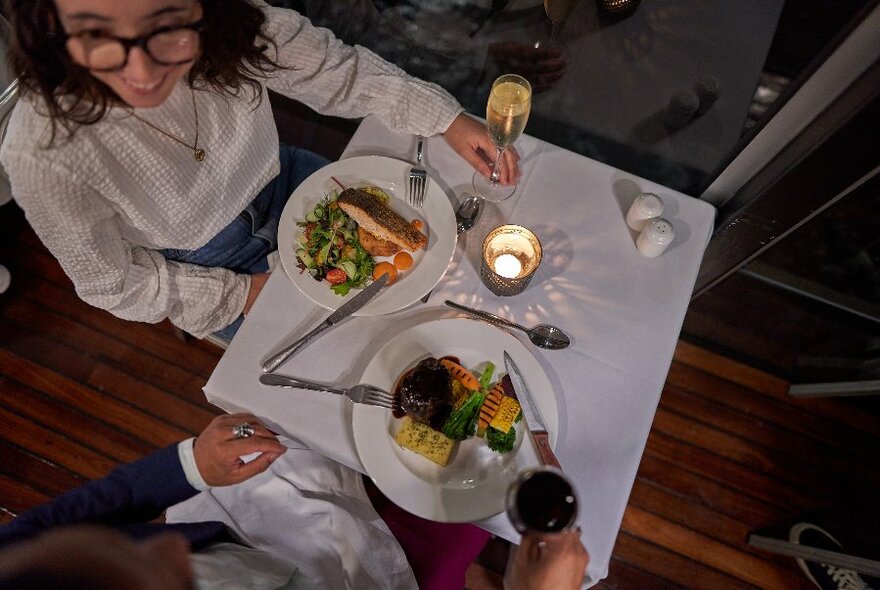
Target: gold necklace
[{"x": 198, "y": 153}]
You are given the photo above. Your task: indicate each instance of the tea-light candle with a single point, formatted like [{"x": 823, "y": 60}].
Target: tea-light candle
[
  {"x": 511, "y": 254},
  {"x": 508, "y": 266}
]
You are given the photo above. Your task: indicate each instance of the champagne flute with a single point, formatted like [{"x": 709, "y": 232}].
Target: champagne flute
[
  {"x": 558, "y": 12},
  {"x": 507, "y": 112}
]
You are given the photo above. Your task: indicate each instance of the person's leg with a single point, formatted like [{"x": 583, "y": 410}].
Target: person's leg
[
  {"x": 243, "y": 245},
  {"x": 439, "y": 553}
]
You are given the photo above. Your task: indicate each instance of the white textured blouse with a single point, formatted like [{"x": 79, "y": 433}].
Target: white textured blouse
[{"x": 106, "y": 199}]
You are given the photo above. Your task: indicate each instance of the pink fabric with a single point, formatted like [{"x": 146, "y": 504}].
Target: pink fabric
[{"x": 439, "y": 553}]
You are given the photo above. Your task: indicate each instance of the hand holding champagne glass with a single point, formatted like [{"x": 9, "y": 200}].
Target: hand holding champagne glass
[{"x": 507, "y": 112}]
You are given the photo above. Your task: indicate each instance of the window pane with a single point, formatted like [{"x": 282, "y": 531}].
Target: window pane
[{"x": 665, "y": 89}]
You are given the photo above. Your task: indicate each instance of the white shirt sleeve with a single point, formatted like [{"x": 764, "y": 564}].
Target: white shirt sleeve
[
  {"x": 132, "y": 282},
  {"x": 188, "y": 462},
  {"x": 337, "y": 79}
]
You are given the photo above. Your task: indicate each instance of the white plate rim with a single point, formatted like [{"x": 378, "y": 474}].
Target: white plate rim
[
  {"x": 378, "y": 456},
  {"x": 382, "y": 171}
]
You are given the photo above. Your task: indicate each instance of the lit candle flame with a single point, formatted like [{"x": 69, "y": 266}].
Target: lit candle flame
[{"x": 508, "y": 266}]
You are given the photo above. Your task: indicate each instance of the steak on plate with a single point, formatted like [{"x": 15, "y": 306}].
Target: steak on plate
[{"x": 425, "y": 392}]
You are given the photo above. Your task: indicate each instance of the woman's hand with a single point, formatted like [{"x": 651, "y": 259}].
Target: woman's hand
[
  {"x": 258, "y": 281},
  {"x": 541, "y": 66},
  {"x": 552, "y": 561},
  {"x": 218, "y": 454},
  {"x": 470, "y": 139}
]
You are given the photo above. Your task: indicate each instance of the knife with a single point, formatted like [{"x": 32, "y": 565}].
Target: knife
[
  {"x": 345, "y": 310},
  {"x": 531, "y": 413}
]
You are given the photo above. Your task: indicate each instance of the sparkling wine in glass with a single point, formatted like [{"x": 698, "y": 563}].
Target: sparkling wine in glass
[
  {"x": 558, "y": 12},
  {"x": 542, "y": 500},
  {"x": 507, "y": 112}
]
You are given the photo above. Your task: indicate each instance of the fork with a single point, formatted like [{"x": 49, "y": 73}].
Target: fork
[
  {"x": 418, "y": 179},
  {"x": 359, "y": 394}
]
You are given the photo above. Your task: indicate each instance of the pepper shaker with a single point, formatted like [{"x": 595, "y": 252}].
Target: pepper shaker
[
  {"x": 681, "y": 109},
  {"x": 707, "y": 88},
  {"x": 646, "y": 206},
  {"x": 655, "y": 237}
]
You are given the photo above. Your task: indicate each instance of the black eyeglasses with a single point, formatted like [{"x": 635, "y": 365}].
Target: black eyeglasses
[{"x": 168, "y": 46}]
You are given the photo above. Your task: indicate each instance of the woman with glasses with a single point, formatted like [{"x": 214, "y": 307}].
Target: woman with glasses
[{"x": 144, "y": 151}]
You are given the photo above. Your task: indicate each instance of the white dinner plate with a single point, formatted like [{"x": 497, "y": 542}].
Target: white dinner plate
[
  {"x": 474, "y": 483},
  {"x": 391, "y": 175}
]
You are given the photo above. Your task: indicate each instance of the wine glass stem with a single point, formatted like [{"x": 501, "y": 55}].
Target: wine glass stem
[
  {"x": 554, "y": 32},
  {"x": 496, "y": 169}
]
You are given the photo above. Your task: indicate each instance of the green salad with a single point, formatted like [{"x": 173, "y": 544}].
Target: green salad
[{"x": 329, "y": 248}]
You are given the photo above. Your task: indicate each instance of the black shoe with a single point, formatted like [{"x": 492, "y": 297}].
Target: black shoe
[{"x": 824, "y": 576}]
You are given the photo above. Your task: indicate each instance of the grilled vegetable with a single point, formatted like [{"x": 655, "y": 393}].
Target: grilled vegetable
[
  {"x": 461, "y": 422},
  {"x": 490, "y": 407},
  {"x": 499, "y": 441},
  {"x": 458, "y": 372},
  {"x": 508, "y": 411}
]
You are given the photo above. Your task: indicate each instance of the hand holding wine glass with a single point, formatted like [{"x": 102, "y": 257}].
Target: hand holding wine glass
[
  {"x": 542, "y": 505},
  {"x": 507, "y": 112}
]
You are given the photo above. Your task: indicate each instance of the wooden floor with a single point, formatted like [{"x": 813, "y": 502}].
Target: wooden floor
[{"x": 729, "y": 452}]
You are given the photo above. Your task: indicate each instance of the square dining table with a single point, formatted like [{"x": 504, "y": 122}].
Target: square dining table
[{"x": 622, "y": 310}]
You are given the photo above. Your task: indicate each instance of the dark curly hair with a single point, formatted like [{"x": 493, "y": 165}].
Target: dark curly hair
[{"x": 233, "y": 58}]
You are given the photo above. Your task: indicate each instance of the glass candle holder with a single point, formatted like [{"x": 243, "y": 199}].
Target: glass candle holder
[
  {"x": 511, "y": 255},
  {"x": 618, "y": 7}
]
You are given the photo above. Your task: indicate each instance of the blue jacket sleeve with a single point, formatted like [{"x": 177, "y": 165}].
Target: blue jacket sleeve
[{"x": 132, "y": 493}]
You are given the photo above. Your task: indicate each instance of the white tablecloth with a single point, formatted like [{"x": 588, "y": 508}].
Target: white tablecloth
[{"x": 623, "y": 311}]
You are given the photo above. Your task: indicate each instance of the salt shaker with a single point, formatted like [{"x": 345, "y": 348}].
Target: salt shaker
[
  {"x": 708, "y": 88},
  {"x": 655, "y": 237},
  {"x": 646, "y": 206},
  {"x": 681, "y": 108}
]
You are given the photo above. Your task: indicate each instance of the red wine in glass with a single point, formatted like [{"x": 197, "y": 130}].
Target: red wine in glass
[{"x": 542, "y": 500}]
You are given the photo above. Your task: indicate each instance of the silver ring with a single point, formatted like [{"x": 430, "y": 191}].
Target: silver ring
[{"x": 243, "y": 430}]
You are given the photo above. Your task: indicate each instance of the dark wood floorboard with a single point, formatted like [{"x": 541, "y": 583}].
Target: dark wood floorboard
[{"x": 729, "y": 452}]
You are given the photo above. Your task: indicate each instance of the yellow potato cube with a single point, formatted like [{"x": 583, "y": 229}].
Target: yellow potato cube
[{"x": 424, "y": 440}]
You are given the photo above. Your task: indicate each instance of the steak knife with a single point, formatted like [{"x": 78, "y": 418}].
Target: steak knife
[
  {"x": 531, "y": 413},
  {"x": 345, "y": 310}
]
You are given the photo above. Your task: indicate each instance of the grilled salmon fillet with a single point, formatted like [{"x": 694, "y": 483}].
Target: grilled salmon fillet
[
  {"x": 380, "y": 220},
  {"x": 376, "y": 246}
]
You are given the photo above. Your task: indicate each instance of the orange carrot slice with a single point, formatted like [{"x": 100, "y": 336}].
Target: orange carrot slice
[{"x": 458, "y": 372}]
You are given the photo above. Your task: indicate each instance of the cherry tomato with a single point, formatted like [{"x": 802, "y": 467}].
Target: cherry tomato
[{"x": 336, "y": 276}]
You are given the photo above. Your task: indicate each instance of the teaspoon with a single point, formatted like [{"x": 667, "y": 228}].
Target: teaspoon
[
  {"x": 467, "y": 213},
  {"x": 543, "y": 335}
]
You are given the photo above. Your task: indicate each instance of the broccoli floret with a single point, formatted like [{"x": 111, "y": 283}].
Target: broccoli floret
[
  {"x": 486, "y": 377},
  {"x": 461, "y": 422},
  {"x": 500, "y": 442}
]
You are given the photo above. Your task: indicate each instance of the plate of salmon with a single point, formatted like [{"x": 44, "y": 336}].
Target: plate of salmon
[{"x": 350, "y": 221}]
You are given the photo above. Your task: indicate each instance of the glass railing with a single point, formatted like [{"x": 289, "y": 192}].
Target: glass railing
[{"x": 665, "y": 89}]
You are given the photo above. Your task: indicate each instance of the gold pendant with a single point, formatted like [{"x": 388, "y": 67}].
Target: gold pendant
[{"x": 199, "y": 154}]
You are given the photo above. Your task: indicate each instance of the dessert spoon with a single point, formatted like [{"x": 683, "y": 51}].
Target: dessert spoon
[{"x": 543, "y": 335}]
